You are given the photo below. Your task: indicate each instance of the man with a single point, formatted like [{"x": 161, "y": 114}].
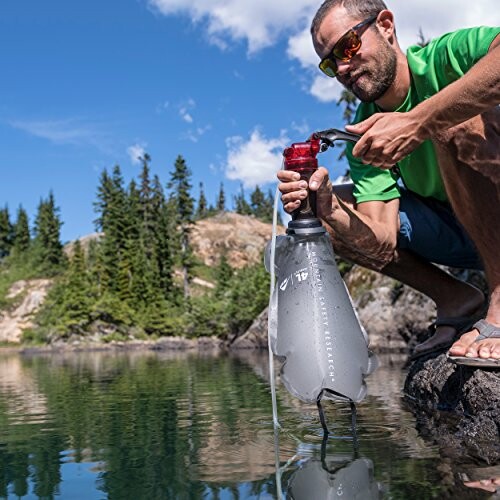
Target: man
[{"x": 434, "y": 112}]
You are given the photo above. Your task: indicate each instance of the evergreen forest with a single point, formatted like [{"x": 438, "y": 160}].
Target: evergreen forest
[{"x": 134, "y": 279}]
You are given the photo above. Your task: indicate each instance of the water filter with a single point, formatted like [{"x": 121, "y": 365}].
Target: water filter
[{"x": 313, "y": 326}]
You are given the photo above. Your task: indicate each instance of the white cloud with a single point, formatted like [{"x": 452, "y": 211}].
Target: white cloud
[
  {"x": 185, "y": 115},
  {"x": 261, "y": 23},
  {"x": 258, "y": 22},
  {"x": 135, "y": 152},
  {"x": 72, "y": 131},
  {"x": 325, "y": 89},
  {"x": 255, "y": 161},
  {"x": 301, "y": 128},
  {"x": 162, "y": 107},
  {"x": 57, "y": 131},
  {"x": 194, "y": 135},
  {"x": 300, "y": 47},
  {"x": 437, "y": 18},
  {"x": 185, "y": 110}
]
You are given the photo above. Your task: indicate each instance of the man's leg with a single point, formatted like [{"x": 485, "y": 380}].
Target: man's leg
[
  {"x": 453, "y": 297},
  {"x": 469, "y": 159}
]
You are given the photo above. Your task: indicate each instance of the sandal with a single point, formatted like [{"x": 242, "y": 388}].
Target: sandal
[
  {"x": 486, "y": 331},
  {"x": 461, "y": 325}
]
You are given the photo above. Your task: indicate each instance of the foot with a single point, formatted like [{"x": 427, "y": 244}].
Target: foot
[
  {"x": 468, "y": 347},
  {"x": 490, "y": 485},
  {"x": 444, "y": 334}
]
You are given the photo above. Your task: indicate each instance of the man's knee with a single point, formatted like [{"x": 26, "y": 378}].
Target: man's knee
[{"x": 472, "y": 142}]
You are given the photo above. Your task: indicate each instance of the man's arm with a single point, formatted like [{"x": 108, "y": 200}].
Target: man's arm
[
  {"x": 389, "y": 137},
  {"x": 366, "y": 234}
]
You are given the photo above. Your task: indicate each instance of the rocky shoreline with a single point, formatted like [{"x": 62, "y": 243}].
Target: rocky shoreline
[
  {"x": 458, "y": 407},
  {"x": 202, "y": 344}
]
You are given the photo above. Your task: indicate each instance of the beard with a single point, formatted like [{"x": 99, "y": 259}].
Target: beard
[{"x": 378, "y": 79}]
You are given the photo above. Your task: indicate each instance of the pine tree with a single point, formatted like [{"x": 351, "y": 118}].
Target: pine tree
[
  {"x": 146, "y": 208},
  {"x": 269, "y": 203},
  {"x": 257, "y": 203},
  {"x": 49, "y": 249},
  {"x": 6, "y": 231},
  {"x": 22, "y": 236},
  {"x": 114, "y": 221},
  {"x": 201, "y": 211},
  {"x": 242, "y": 206},
  {"x": 422, "y": 40},
  {"x": 184, "y": 207},
  {"x": 77, "y": 296},
  {"x": 165, "y": 229},
  {"x": 224, "y": 274},
  {"x": 221, "y": 199}
]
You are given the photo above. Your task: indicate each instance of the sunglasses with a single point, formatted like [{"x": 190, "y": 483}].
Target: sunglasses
[{"x": 345, "y": 49}]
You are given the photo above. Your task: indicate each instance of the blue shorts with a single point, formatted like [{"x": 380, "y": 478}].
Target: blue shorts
[{"x": 429, "y": 228}]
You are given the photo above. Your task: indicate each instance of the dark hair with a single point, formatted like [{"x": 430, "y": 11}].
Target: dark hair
[{"x": 355, "y": 8}]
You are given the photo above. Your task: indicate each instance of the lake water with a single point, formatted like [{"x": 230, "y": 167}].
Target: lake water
[{"x": 154, "y": 425}]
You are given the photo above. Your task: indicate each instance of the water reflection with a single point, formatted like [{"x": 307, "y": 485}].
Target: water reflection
[
  {"x": 162, "y": 425},
  {"x": 334, "y": 477}
]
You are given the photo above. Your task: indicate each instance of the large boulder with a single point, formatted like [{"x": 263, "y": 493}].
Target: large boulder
[{"x": 457, "y": 406}]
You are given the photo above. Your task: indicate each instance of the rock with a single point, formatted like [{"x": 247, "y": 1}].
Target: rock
[
  {"x": 85, "y": 241},
  {"x": 30, "y": 295},
  {"x": 457, "y": 406},
  {"x": 241, "y": 238},
  {"x": 394, "y": 315},
  {"x": 256, "y": 336}
]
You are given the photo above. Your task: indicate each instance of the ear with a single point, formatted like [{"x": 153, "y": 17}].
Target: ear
[{"x": 385, "y": 25}]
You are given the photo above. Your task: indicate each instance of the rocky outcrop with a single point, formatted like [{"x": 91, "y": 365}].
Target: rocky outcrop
[
  {"x": 241, "y": 238},
  {"x": 468, "y": 400},
  {"x": 394, "y": 315},
  {"x": 256, "y": 336},
  {"x": 27, "y": 296}
]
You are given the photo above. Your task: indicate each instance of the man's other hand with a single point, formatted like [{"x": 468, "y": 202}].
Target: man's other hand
[{"x": 387, "y": 138}]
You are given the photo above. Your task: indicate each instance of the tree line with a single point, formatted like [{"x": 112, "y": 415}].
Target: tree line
[{"x": 135, "y": 277}]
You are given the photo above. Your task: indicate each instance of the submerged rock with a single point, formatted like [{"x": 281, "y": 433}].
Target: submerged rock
[{"x": 457, "y": 406}]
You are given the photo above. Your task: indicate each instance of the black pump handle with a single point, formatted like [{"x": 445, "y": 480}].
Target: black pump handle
[{"x": 331, "y": 135}]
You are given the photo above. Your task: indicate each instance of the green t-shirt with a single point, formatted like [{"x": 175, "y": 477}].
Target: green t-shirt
[{"x": 432, "y": 68}]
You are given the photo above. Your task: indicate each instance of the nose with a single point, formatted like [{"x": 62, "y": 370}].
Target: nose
[{"x": 343, "y": 67}]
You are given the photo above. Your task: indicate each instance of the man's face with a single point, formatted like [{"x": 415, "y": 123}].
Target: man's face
[{"x": 372, "y": 70}]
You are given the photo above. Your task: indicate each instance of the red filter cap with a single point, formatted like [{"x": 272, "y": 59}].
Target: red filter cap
[{"x": 301, "y": 156}]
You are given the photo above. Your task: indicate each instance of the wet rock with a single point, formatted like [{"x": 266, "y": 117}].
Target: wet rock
[{"x": 457, "y": 406}]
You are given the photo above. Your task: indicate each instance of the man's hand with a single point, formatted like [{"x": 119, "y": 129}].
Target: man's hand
[
  {"x": 387, "y": 138},
  {"x": 293, "y": 191}
]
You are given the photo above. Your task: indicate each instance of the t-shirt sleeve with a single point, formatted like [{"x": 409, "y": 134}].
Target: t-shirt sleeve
[
  {"x": 457, "y": 52},
  {"x": 371, "y": 183}
]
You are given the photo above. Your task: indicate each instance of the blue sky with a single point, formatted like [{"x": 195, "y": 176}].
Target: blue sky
[{"x": 225, "y": 83}]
